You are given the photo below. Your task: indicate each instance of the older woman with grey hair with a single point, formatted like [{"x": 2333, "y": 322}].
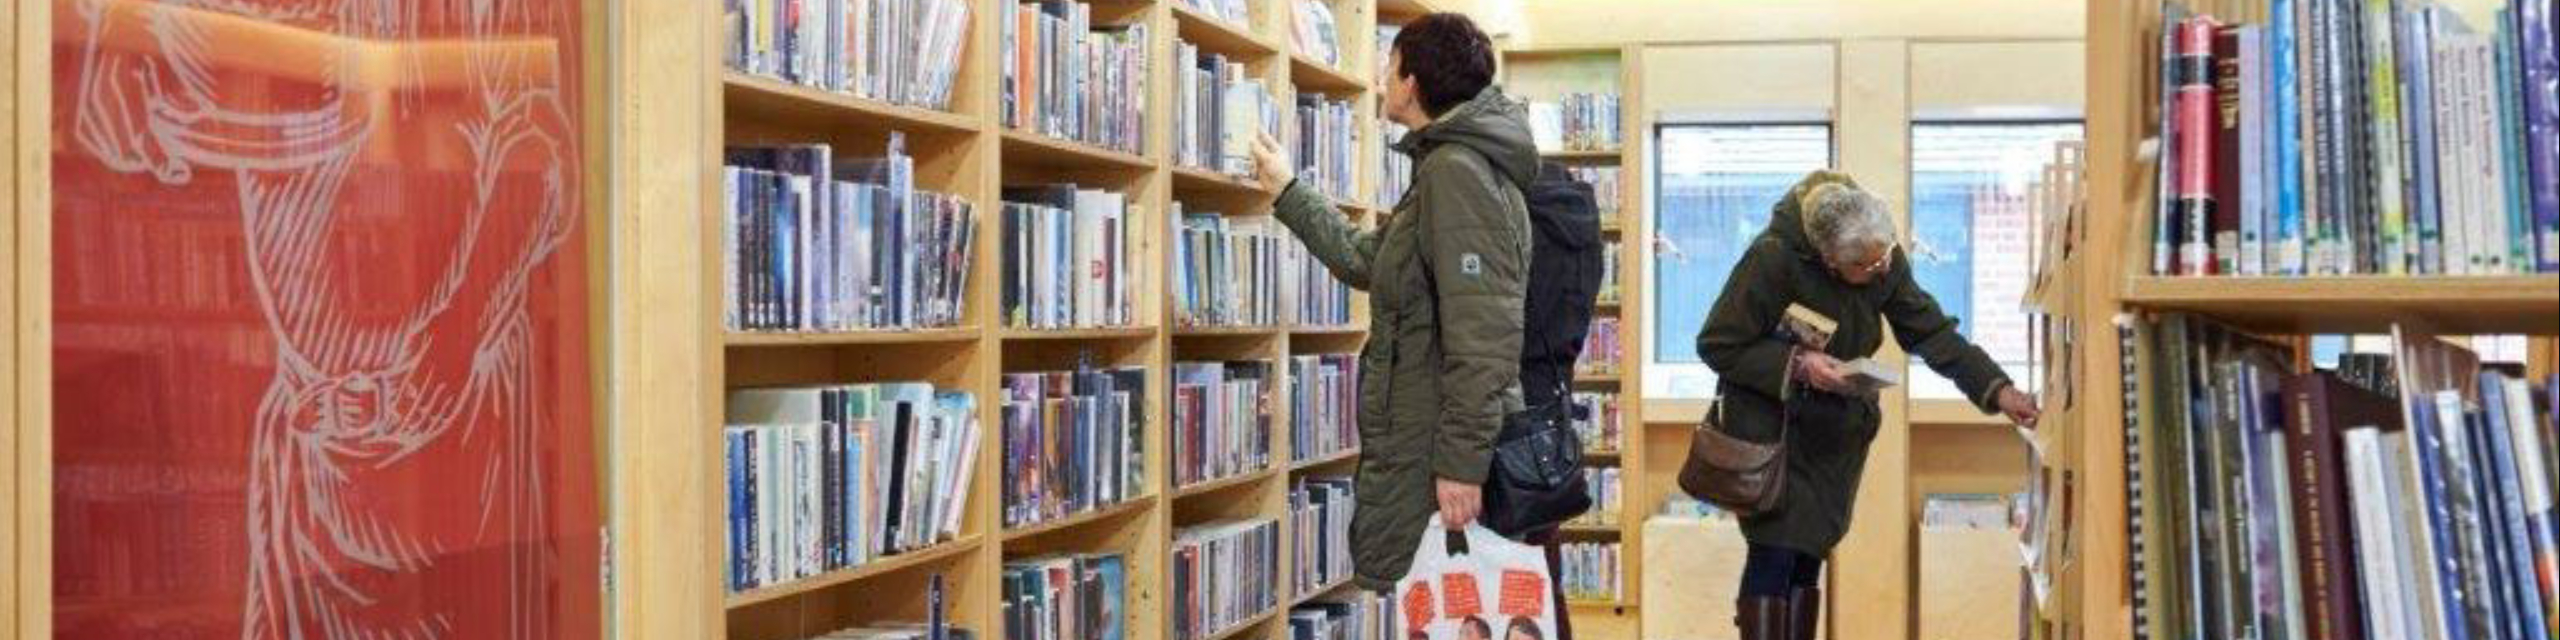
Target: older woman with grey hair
[{"x": 1830, "y": 248}]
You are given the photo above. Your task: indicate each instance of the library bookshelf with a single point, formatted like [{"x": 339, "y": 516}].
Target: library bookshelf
[
  {"x": 968, "y": 152},
  {"x": 2108, "y": 275},
  {"x": 1545, "y": 73}
]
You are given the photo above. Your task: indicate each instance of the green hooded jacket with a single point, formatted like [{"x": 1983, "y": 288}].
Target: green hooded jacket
[
  {"x": 1446, "y": 277},
  {"x": 1827, "y": 448}
]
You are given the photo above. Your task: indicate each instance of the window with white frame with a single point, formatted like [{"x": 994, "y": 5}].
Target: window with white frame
[
  {"x": 1713, "y": 186},
  {"x": 1970, "y": 235}
]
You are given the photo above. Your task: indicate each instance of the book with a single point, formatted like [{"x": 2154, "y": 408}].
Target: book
[
  {"x": 1229, "y": 271},
  {"x": 1066, "y": 251},
  {"x": 1869, "y": 377},
  {"x": 1600, "y": 349},
  {"x": 1320, "y": 533},
  {"x": 1224, "y": 573},
  {"x": 2539, "y": 61},
  {"x": 886, "y": 50},
  {"x": 1324, "y": 391},
  {"x": 1061, "y": 597},
  {"x": 815, "y": 243},
  {"x": 1395, "y": 169},
  {"x": 1233, "y": 12},
  {"x": 1604, "y": 187},
  {"x": 1073, "y": 442},
  {"x": 1321, "y": 144},
  {"x": 1806, "y": 327},
  {"x": 1604, "y": 485},
  {"x": 1065, "y": 77},
  {"x": 1600, "y": 421},
  {"x": 1576, "y": 122},
  {"x": 1221, "y": 420},
  {"x": 1363, "y": 616},
  {"x": 2192, "y": 214},
  {"x": 1315, "y": 297},
  {"x": 2321, "y": 403},
  {"x": 1591, "y": 571},
  {"x": 1315, "y": 33},
  {"x": 1221, "y": 108},
  {"x": 828, "y": 477}
]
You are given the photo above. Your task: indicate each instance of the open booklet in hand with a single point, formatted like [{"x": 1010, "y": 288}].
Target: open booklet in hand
[{"x": 1869, "y": 377}]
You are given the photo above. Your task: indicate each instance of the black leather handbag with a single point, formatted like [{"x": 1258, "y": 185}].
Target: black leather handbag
[{"x": 1536, "y": 482}]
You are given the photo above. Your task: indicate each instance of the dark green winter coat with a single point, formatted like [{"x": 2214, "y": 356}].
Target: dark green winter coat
[
  {"x": 1446, "y": 277},
  {"x": 1827, "y": 448}
]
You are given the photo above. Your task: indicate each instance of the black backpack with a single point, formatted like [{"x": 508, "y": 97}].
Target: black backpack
[{"x": 1536, "y": 481}]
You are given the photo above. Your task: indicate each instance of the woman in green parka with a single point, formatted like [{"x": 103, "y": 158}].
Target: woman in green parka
[{"x": 1833, "y": 249}]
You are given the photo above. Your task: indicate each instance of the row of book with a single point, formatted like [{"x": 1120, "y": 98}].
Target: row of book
[
  {"x": 1591, "y": 571},
  {"x": 1073, "y": 441},
  {"x": 1597, "y": 417},
  {"x": 1231, "y": 272},
  {"x": 1603, "y": 483},
  {"x": 1395, "y": 169},
  {"x": 1354, "y": 617},
  {"x": 2411, "y": 500},
  {"x": 1600, "y": 352},
  {"x": 1220, "y": 107},
  {"x": 1323, "y": 146},
  {"x": 1611, "y": 292},
  {"x": 1224, "y": 574},
  {"x": 813, "y": 243},
  {"x": 1604, "y": 187},
  {"x": 2383, "y": 138},
  {"x": 1322, "y": 300},
  {"x": 1315, "y": 32},
  {"x": 1065, "y": 77},
  {"x": 1066, "y": 252},
  {"x": 1066, "y": 597},
  {"x": 1221, "y": 420},
  {"x": 1320, "y": 533},
  {"x": 895, "y": 51},
  {"x": 1324, "y": 393},
  {"x": 1235, "y": 13},
  {"x": 1576, "y": 122},
  {"x": 826, "y": 477}
]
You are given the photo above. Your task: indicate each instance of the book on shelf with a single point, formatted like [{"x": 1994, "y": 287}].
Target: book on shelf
[
  {"x": 1230, "y": 272},
  {"x": 1362, "y": 616},
  {"x": 908, "y": 631},
  {"x": 1224, "y": 574},
  {"x": 1073, "y": 441},
  {"x": 1395, "y": 169},
  {"x": 1324, "y": 391},
  {"x": 1603, "y": 483},
  {"x": 1591, "y": 571},
  {"x": 1320, "y": 533},
  {"x": 1319, "y": 298},
  {"x": 894, "y": 51},
  {"x": 1221, "y": 420},
  {"x": 1610, "y": 291},
  {"x": 827, "y": 477},
  {"x": 2343, "y": 138},
  {"x": 1600, "y": 356},
  {"x": 1066, "y": 257},
  {"x": 1598, "y": 419},
  {"x": 1322, "y": 145},
  {"x": 1576, "y": 122},
  {"x": 1066, "y": 597},
  {"x": 2409, "y": 498},
  {"x": 1604, "y": 186},
  {"x": 1235, "y": 13},
  {"x": 1221, "y": 109},
  {"x": 1065, "y": 77},
  {"x": 810, "y": 242},
  {"x": 1316, "y": 34}
]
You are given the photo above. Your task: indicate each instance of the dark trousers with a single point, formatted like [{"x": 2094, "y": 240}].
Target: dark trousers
[
  {"x": 1554, "y": 544},
  {"x": 1774, "y": 572}
]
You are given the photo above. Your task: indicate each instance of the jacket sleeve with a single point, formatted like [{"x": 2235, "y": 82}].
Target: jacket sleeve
[
  {"x": 1479, "y": 267},
  {"x": 1345, "y": 250},
  {"x": 1740, "y": 340},
  {"x": 1925, "y": 331}
]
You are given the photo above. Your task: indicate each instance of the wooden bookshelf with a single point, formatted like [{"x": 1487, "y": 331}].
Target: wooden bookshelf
[
  {"x": 2361, "y": 304},
  {"x": 818, "y": 338},
  {"x": 881, "y": 567}
]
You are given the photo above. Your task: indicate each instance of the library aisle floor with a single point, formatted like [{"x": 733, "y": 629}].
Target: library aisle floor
[{"x": 967, "y": 319}]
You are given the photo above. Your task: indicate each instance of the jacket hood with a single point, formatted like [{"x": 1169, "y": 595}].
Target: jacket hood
[
  {"x": 1564, "y": 209},
  {"x": 1492, "y": 124},
  {"x": 1786, "y": 219}
]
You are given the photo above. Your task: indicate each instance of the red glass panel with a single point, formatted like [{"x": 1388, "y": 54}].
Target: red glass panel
[{"x": 321, "y": 341}]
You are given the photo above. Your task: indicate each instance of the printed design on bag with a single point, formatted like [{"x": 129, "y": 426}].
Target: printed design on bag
[
  {"x": 1459, "y": 598},
  {"x": 1524, "y": 594},
  {"x": 1417, "y": 606}
]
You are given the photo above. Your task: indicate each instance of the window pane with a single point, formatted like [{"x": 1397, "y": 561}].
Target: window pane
[
  {"x": 1970, "y": 233},
  {"x": 1717, "y": 183}
]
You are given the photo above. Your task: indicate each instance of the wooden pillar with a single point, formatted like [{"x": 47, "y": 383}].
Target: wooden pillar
[
  {"x": 662, "y": 125},
  {"x": 26, "y": 452},
  {"x": 1872, "y": 575}
]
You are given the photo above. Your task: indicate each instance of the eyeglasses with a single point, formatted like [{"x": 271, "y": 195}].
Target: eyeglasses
[{"x": 1883, "y": 259}]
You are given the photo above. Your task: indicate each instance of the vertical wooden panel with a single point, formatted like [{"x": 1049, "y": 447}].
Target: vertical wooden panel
[
  {"x": 1872, "y": 567},
  {"x": 26, "y": 549},
  {"x": 2095, "y": 603},
  {"x": 664, "y": 121}
]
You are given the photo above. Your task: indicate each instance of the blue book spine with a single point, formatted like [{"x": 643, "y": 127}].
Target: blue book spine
[
  {"x": 2514, "y": 167},
  {"x": 2417, "y": 100},
  {"x": 2287, "y": 134},
  {"x": 2541, "y": 77},
  {"x": 2439, "y": 514},
  {"x": 734, "y": 448},
  {"x": 2517, "y": 536}
]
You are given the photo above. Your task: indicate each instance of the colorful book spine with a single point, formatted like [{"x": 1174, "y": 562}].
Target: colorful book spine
[
  {"x": 2285, "y": 128},
  {"x": 2195, "y": 109},
  {"x": 2540, "y": 61},
  {"x": 2382, "y": 94},
  {"x": 2226, "y": 177}
]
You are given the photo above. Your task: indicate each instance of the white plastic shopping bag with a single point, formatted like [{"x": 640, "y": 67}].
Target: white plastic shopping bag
[{"x": 1475, "y": 585}]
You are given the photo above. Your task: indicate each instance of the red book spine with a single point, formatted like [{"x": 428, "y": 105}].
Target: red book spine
[
  {"x": 2195, "y": 135},
  {"x": 2226, "y": 151},
  {"x": 2320, "y": 507}
]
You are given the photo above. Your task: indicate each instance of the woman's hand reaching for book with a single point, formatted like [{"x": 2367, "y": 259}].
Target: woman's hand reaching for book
[{"x": 1270, "y": 169}]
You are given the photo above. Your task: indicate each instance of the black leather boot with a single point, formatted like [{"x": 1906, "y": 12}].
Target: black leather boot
[
  {"x": 1761, "y": 618},
  {"x": 1804, "y": 612}
]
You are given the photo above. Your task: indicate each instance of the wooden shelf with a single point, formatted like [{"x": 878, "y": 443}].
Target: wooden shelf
[
  {"x": 766, "y": 98},
  {"x": 1326, "y": 461},
  {"x": 1103, "y": 333},
  {"x": 1319, "y": 592},
  {"x": 1239, "y": 628},
  {"x": 908, "y": 336},
  {"x": 1218, "y": 36},
  {"x": 1097, "y": 514},
  {"x": 876, "y": 568},
  {"x": 1257, "y": 330},
  {"x": 1610, "y": 529},
  {"x": 2361, "y": 304},
  {"x": 1314, "y": 75},
  {"x": 1584, "y": 156},
  {"x": 1023, "y": 148},
  {"x": 1313, "y": 331},
  {"x": 1595, "y": 378},
  {"x": 1195, "y": 179},
  {"x": 1400, "y": 12},
  {"x": 1222, "y": 484}
]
